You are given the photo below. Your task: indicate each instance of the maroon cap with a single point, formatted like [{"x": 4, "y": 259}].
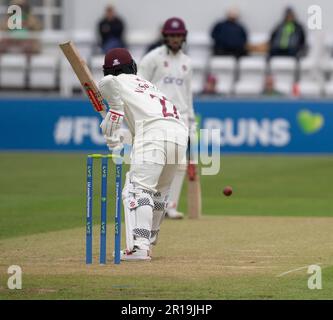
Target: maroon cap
[
  {"x": 117, "y": 57},
  {"x": 174, "y": 26}
]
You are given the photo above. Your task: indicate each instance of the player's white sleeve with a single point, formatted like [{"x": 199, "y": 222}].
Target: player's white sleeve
[
  {"x": 147, "y": 67},
  {"x": 109, "y": 89}
]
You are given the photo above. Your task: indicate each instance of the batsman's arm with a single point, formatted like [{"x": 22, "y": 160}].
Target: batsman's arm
[{"x": 109, "y": 89}]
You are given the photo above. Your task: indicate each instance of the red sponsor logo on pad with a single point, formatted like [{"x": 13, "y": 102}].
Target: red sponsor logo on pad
[{"x": 132, "y": 204}]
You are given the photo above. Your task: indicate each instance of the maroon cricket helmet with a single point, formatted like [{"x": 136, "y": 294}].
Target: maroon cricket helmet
[
  {"x": 117, "y": 61},
  {"x": 174, "y": 26}
]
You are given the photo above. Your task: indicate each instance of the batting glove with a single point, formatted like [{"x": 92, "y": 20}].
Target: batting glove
[
  {"x": 115, "y": 141},
  {"x": 112, "y": 122}
]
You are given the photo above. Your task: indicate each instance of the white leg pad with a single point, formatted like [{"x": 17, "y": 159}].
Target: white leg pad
[
  {"x": 176, "y": 186},
  {"x": 139, "y": 211},
  {"x": 129, "y": 217},
  {"x": 160, "y": 206}
]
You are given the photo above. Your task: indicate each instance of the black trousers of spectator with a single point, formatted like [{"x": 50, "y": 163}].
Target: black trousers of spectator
[
  {"x": 284, "y": 52},
  {"x": 236, "y": 52}
]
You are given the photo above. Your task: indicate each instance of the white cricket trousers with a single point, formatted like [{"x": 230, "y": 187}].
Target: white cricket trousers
[
  {"x": 154, "y": 164},
  {"x": 153, "y": 167}
]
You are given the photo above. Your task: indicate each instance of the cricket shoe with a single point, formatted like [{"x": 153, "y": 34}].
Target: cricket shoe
[
  {"x": 135, "y": 255},
  {"x": 174, "y": 214}
]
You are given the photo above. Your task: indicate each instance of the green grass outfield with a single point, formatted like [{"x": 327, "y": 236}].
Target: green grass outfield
[{"x": 224, "y": 256}]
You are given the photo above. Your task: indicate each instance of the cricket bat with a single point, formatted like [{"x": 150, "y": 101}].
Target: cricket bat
[
  {"x": 193, "y": 191},
  {"x": 85, "y": 77}
]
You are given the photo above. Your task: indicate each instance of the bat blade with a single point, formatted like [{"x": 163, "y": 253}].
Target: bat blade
[{"x": 85, "y": 77}]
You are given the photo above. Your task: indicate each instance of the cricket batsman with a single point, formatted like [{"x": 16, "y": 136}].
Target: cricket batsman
[
  {"x": 159, "y": 144},
  {"x": 170, "y": 70}
]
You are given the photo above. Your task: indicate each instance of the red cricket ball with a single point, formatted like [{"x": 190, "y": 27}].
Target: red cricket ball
[{"x": 227, "y": 191}]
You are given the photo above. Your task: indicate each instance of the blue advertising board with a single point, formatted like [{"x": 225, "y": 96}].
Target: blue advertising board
[
  {"x": 294, "y": 126},
  {"x": 259, "y": 126}
]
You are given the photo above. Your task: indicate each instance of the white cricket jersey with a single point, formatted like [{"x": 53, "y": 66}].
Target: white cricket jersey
[
  {"x": 172, "y": 74},
  {"x": 147, "y": 110}
]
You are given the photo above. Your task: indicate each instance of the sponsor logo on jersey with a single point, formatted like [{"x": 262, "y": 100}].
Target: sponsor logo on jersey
[
  {"x": 184, "y": 67},
  {"x": 166, "y": 64},
  {"x": 173, "y": 80}
]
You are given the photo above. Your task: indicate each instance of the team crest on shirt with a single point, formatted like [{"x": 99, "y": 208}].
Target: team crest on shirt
[
  {"x": 184, "y": 68},
  {"x": 166, "y": 64}
]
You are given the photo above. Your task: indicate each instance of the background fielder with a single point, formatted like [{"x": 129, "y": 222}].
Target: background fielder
[
  {"x": 159, "y": 144},
  {"x": 170, "y": 70}
]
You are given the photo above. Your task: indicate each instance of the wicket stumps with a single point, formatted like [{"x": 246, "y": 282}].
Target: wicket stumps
[{"x": 89, "y": 207}]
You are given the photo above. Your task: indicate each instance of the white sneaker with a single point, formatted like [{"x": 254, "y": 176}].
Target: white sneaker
[
  {"x": 135, "y": 255},
  {"x": 174, "y": 214}
]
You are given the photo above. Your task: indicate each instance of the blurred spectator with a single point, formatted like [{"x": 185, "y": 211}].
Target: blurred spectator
[
  {"x": 19, "y": 40},
  {"x": 210, "y": 86},
  {"x": 269, "y": 87},
  {"x": 111, "y": 30},
  {"x": 157, "y": 43},
  {"x": 288, "y": 38},
  {"x": 230, "y": 36},
  {"x": 154, "y": 45}
]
